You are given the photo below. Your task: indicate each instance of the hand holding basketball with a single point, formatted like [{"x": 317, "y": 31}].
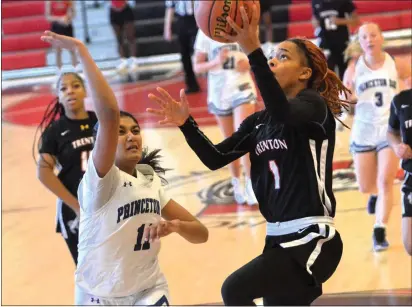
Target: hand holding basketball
[
  {"x": 174, "y": 112},
  {"x": 248, "y": 36},
  {"x": 211, "y": 16},
  {"x": 61, "y": 41}
]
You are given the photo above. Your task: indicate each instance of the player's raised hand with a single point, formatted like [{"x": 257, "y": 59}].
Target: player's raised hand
[
  {"x": 174, "y": 112},
  {"x": 162, "y": 229},
  {"x": 247, "y": 36},
  {"x": 61, "y": 41}
]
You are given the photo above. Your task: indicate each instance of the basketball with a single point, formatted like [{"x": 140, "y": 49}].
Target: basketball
[{"x": 211, "y": 16}]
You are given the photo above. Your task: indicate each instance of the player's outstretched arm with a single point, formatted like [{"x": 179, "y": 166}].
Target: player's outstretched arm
[
  {"x": 104, "y": 102},
  {"x": 213, "y": 156},
  {"x": 180, "y": 221}
]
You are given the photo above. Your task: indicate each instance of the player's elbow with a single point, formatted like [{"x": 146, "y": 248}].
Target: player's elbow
[
  {"x": 43, "y": 173},
  {"x": 203, "y": 234},
  {"x": 213, "y": 166}
]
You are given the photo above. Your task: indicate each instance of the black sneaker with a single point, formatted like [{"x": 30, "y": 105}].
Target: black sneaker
[
  {"x": 372, "y": 204},
  {"x": 379, "y": 239}
]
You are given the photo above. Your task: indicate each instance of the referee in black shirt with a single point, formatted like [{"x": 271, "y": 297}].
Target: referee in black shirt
[
  {"x": 400, "y": 138},
  {"x": 186, "y": 31},
  {"x": 331, "y": 20}
]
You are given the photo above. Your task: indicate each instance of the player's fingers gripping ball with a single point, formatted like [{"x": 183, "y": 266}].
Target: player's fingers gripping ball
[{"x": 211, "y": 16}]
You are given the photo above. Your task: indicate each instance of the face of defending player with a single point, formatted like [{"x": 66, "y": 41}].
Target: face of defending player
[
  {"x": 129, "y": 144},
  {"x": 289, "y": 66},
  {"x": 71, "y": 93},
  {"x": 371, "y": 39}
]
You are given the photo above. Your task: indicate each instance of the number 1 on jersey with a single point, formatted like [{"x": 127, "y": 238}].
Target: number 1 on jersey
[
  {"x": 139, "y": 246},
  {"x": 84, "y": 158},
  {"x": 275, "y": 171}
]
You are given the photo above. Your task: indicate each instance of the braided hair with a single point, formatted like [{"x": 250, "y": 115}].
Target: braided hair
[{"x": 324, "y": 80}]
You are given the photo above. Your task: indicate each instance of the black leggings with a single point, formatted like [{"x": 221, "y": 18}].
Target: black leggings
[
  {"x": 337, "y": 59},
  {"x": 280, "y": 275}
]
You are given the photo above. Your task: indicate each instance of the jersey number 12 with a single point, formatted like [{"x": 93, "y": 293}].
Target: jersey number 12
[
  {"x": 275, "y": 171},
  {"x": 139, "y": 246}
]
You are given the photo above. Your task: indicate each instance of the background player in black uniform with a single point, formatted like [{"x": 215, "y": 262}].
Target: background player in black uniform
[
  {"x": 400, "y": 138},
  {"x": 266, "y": 14},
  {"x": 65, "y": 142},
  {"x": 331, "y": 20},
  {"x": 291, "y": 146}
]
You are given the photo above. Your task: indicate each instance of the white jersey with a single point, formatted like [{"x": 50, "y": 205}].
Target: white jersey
[
  {"x": 375, "y": 90},
  {"x": 225, "y": 84},
  {"x": 113, "y": 259}
]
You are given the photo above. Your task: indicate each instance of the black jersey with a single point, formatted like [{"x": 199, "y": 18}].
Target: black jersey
[
  {"x": 70, "y": 142},
  {"x": 331, "y": 35},
  {"x": 400, "y": 121},
  {"x": 291, "y": 145}
]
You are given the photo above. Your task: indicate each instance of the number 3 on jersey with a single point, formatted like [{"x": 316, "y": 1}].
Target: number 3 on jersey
[
  {"x": 379, "y": 99},
  {"x": 275, "y": 171}
]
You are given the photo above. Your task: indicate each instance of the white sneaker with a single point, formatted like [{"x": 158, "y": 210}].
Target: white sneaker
[
  {"x": 267, "y": 48},
  {"x": 134, "y": 70},
  {"x": 122, "y": 67},
  {"x": 78, "y": 68},
  {"x": 250, "y": 194},
  {"x": 238, "y": 191},
  {"x": 134, "y": 65}
]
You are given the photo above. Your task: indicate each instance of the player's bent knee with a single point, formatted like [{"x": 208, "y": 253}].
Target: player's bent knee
[
  {"x": 366, "y": 188},
  {"x": 233, "y": 294},
  {"x": 385, "y": 183}
]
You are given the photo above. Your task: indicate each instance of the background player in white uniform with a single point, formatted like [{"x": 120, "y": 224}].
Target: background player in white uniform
[
  {"x": 121, "y": 206},
  {"x": 231, "y": 98},
  {"x": 375, "y": 80}
]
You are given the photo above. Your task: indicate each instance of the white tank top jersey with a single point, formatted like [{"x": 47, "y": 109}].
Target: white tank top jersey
[
  {"x": 375, "y": 90},
  {"x": 113, "y": 259},
  {"x": 224, "y": 81}
]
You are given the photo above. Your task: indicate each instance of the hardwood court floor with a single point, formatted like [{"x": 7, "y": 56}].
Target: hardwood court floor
[{"x": 37, "y": 268}]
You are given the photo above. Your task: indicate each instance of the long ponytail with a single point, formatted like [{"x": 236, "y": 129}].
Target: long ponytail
[
  {"x": 53, "y": 112},
  {"x": 324, "y": 80}
]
